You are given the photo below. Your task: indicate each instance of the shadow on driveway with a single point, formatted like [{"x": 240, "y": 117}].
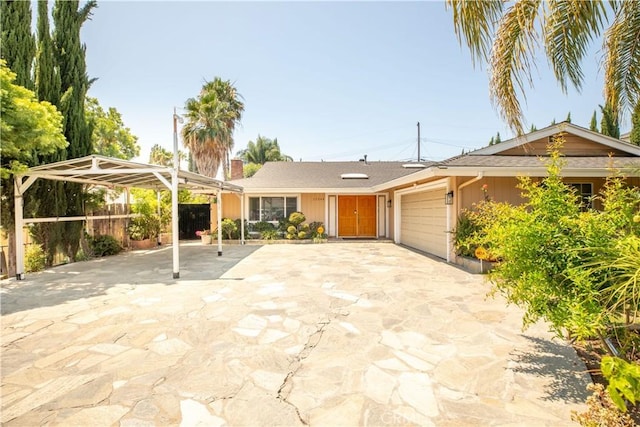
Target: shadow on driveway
[{"x": 93, "y": 278}]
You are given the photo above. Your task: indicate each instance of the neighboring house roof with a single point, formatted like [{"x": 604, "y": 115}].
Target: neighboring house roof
[
  {"x": 324, "y": 176},
  {"x": 522, "y": 140}
]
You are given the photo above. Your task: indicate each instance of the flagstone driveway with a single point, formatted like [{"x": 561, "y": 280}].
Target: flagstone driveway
[{"x": 333, "y": 334}]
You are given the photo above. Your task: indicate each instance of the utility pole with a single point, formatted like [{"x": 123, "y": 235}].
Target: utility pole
[{"x": 418, "y": 141}]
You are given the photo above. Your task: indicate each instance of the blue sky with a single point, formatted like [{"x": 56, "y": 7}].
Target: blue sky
[{"x": 332, "y": 81}]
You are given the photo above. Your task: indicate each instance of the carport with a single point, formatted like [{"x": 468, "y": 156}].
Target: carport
[{"x": 111, "y": 173}]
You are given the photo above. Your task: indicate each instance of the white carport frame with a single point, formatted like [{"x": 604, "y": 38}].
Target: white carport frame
[{"x": 108, "y": 172}]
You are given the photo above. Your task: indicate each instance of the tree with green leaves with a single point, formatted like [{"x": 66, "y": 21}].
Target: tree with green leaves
[
  {"x": 110, "y": 136},
  {"x": 568, "y": 119},
  {"x": 47, "y": 197},
  {"x": 47, "y": 72},
  {"x": 594, "y": 122},
  {"x": 634, "y": 136},
  {"x": 505, "y": 35},
  {"x": 27, "y": 127},
  {"x": 68, "y": 18},
  {"x": 163, "y": 157},
  {"x": 609, "y": 124},
  {"x": 18, "y": 47},
  {"x": 263, "y": 150},
  {"x": 211, "y": 120}
]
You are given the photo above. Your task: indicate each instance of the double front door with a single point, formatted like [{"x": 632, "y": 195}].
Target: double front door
[{"x": 357, "y": 216}]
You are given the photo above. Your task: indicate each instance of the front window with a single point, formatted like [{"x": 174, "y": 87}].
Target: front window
[
  {"x": 271, "y": 208},
  {"x": 585, "y": 191}
]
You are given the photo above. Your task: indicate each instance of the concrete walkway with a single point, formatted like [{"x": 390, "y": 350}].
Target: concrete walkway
[{"x": 331, "y": 334}]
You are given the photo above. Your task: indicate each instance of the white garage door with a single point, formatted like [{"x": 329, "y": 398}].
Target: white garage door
[{"x": 423, "y": 222}]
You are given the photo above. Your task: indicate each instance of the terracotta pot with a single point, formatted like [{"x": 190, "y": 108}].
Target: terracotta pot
[{"x": 143, "y": 244}]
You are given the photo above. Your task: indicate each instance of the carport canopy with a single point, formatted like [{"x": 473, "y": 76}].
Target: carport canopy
[{"x": 111, "y": 173}]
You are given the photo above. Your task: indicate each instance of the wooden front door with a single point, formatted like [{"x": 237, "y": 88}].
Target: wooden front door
[{"x": 357, "y": 216}]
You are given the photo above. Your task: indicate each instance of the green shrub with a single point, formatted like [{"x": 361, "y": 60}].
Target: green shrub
[
  {"x": 272, "y": 234},
  {"x": 263, "y": 226},
  {"x": 105, "y": 245},
  {"x": 297, "y": 218},
  {"x": 463, "y": 235},
  {"x": 144, "y": 227},
  {"x": 302, "y": 234},
  {"x": 34, "y": 258},
  {"x": 229, "y": 228}
]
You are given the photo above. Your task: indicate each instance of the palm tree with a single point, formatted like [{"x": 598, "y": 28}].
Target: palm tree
[
  {"x": 262, "y": 151},
  {"x": 161, "y": 156},
  {"x": 505, "y": 36},
  {"x": 211, "y": 120}
]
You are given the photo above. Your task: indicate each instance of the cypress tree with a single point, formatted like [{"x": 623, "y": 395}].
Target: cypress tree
[
  {"x": 50, "y": 194},
  {"x": 47, "y": 75},
  {"x": 634, "y": 137},
  {"x": 609, "y": 124},
  {"x": 70, "y": 57},
  {"x": 594, "y": 122},
  {"x": 568, "y": 119},
  {"x": 18, "y": 44}
]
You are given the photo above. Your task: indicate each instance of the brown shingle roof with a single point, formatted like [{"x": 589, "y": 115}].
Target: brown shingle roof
[{"x": 319, "y": 175}]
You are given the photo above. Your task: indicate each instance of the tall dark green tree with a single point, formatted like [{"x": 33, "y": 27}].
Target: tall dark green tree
[
  {"x": 634, "y": 137},
  {"x": 49, "y": 196},
  {"x": 68, "y": 18},
  {"x": 594, "y": 122},
  {"x": 568, "y": 119},
  {"x": 47, "y": 73},
  {"x": 18, "y": 44},
  {"x": 609, "y": 124}
]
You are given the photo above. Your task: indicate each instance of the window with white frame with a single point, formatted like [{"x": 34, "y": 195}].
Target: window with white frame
[
  {"x": 585, "y": 191},
  {"x": 271, "y": 208}
]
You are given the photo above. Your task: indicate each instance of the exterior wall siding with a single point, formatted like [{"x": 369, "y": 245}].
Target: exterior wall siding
[
  {"x": 312, "y": 205},
  {"x": 230, "y": 208}
]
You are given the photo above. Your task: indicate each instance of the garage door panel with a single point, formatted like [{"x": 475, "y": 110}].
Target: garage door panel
[{"x": 423, "y": 221}]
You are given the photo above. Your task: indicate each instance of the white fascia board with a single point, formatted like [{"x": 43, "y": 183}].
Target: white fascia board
[
  {"x": 262, "y": 191},
  {"x": 440, "y": 183},
  {"x": 430, "y": 172}
]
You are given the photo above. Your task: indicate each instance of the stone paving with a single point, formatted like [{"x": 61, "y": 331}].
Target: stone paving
[{"x": 331, "y": 334}]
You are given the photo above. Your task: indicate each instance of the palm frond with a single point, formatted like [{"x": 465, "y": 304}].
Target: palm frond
[
  {"x": 569, "y": 27},
  {"x": 512, "y": 58},
  {"x": 475, "y": 22},
  {"x": 622, "y": 57}
]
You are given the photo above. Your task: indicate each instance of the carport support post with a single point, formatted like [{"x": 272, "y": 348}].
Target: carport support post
[
  {"x": 219, "y": 206},
  {"x": 18, "y": 200},
  {"x": 242, "y": 219},
  {"x": 175, "y": 242}
]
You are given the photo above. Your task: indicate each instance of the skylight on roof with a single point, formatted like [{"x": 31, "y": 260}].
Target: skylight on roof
[
  {"x": 354, "y": 176},
  {"x": 414, "y": 166}
]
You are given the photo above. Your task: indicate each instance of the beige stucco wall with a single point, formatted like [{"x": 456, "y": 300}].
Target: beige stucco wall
[
  {"x": 230, "y": 208},
  {"x": 312, "y": 206}
]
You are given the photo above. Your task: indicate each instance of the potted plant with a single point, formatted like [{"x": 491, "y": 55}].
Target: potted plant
[
  {"x": 143, "y": 231},
  {"x": 205, "y": 235}
]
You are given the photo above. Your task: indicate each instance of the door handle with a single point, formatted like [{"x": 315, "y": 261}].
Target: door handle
[{"x": 355, "y": 212}]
